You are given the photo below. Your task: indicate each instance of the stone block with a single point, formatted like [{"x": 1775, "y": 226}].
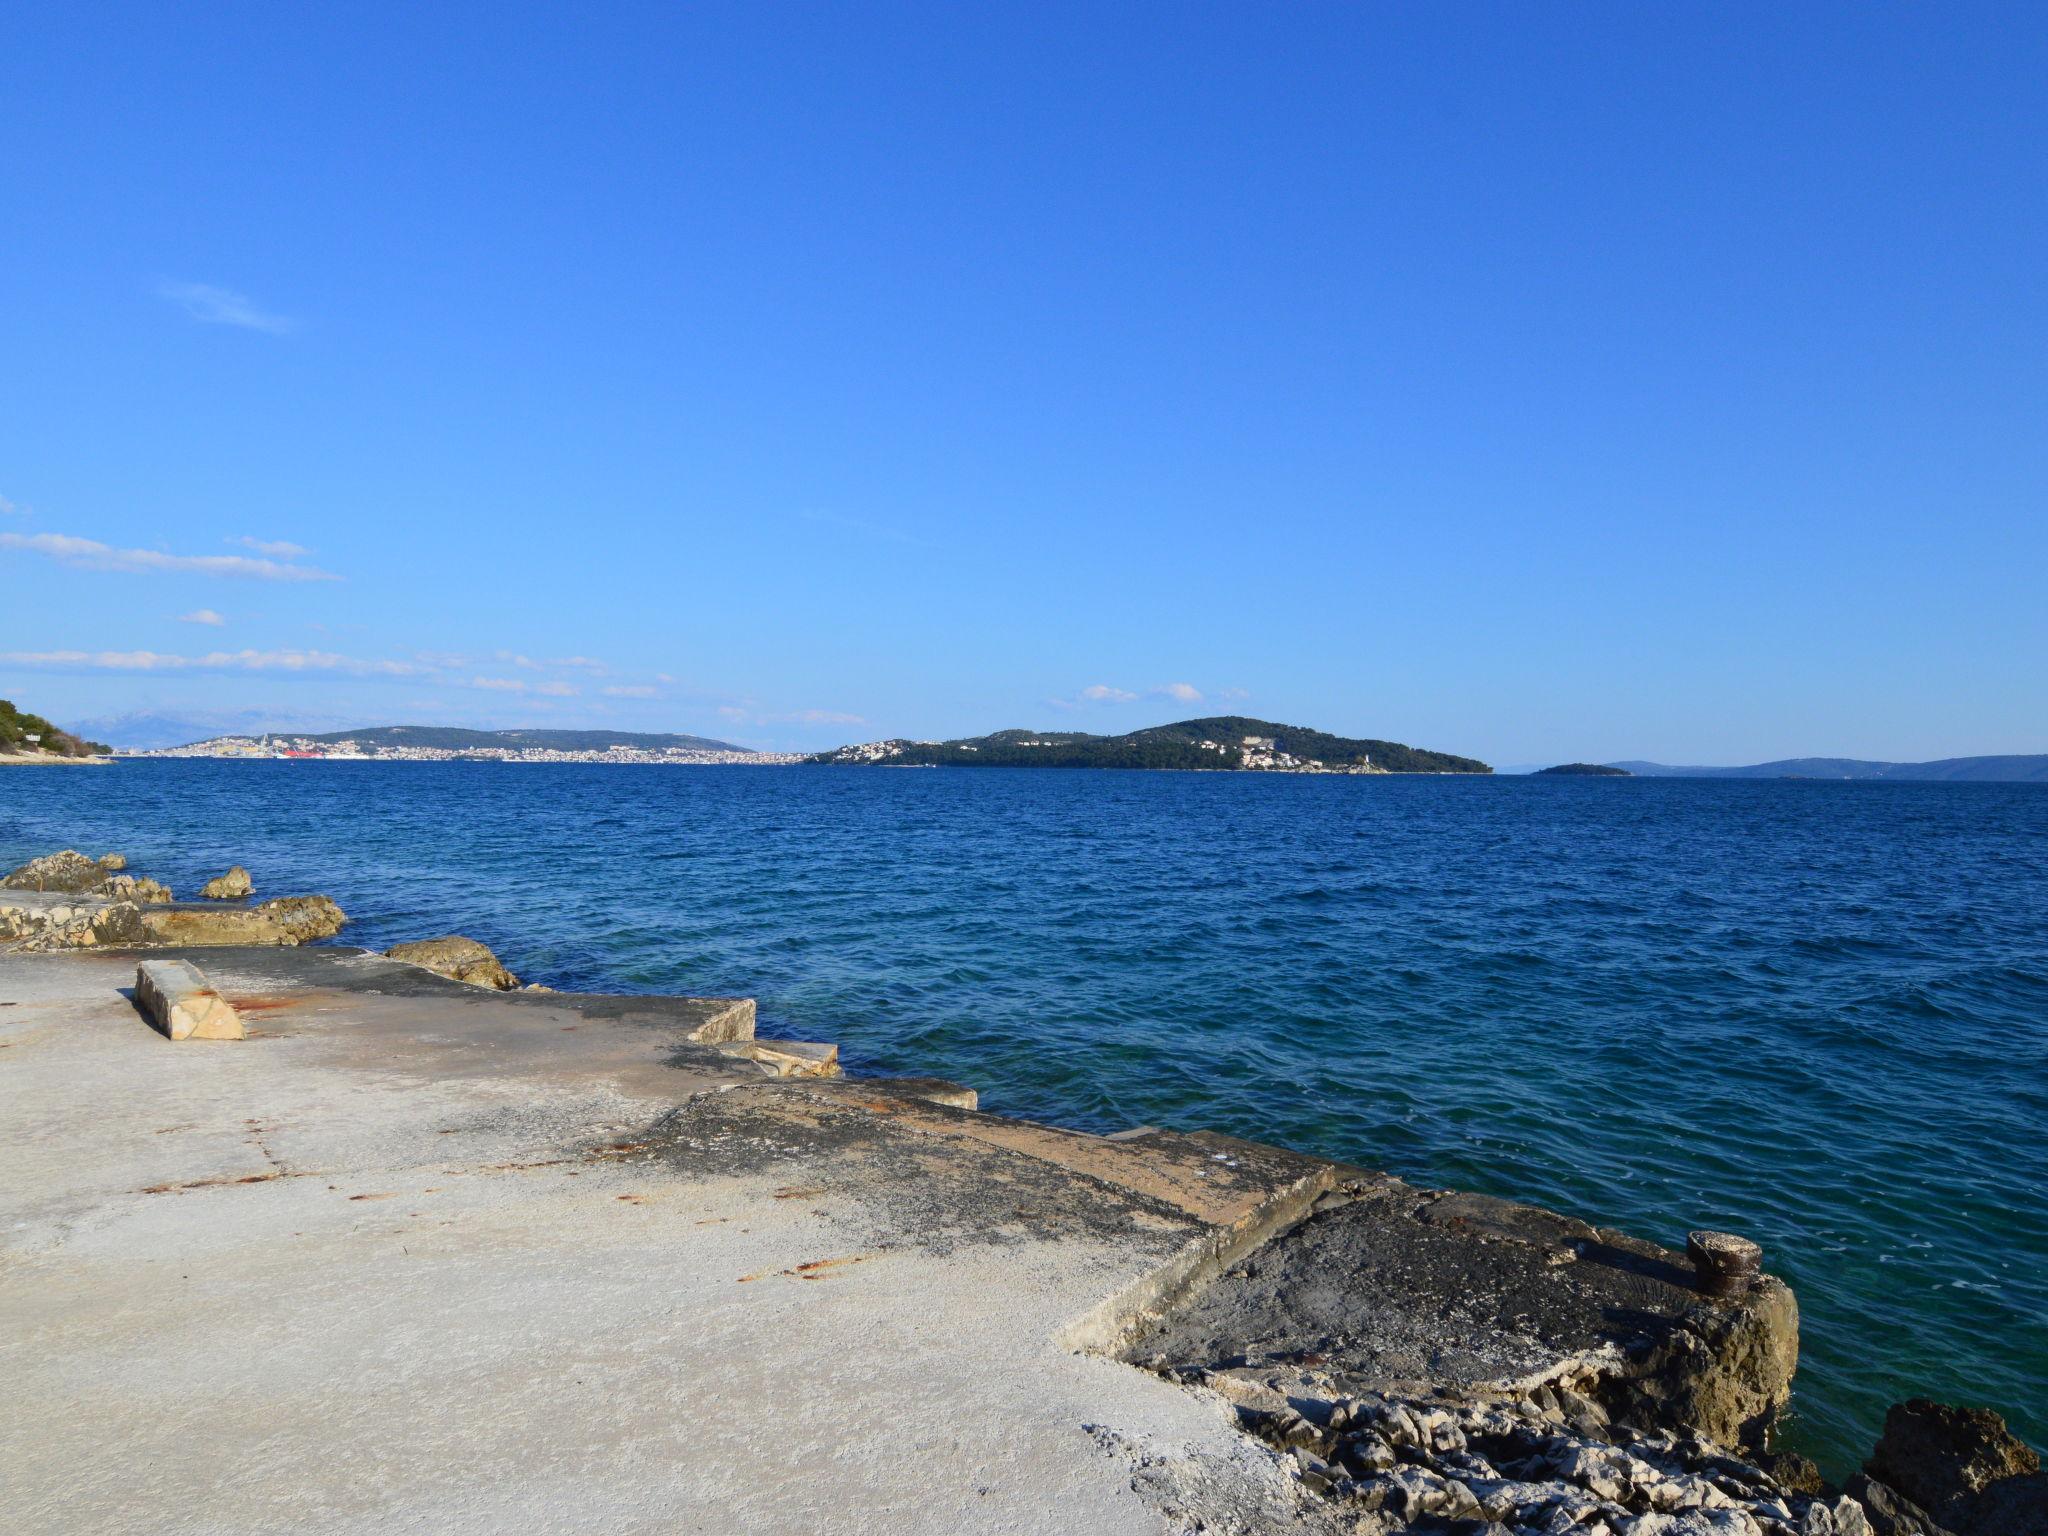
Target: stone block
[{"x": 180, "y": 1001}]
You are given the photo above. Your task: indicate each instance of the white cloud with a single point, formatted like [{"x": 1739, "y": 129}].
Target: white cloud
[
  {"x": 202, "y": 616},
  {"x": 11, "y": 509},
  {"x": 223, "y": 306},
  {"x": 514, "y": 659},
  {"x": 587, "y": 663},
  {"x": 1102, "y": 693},
  {"x": 556, "y": 690},
  {"x": 823, "y": 717},
  {"x": 212, "y": 661},
  {"x": 92, "y": 555},
  {"x": 630, "y": 691},
  {"x": 499, "y": 684},
  {"x": 1185, "y": 693},
  {"x": 276, "y": 549}
]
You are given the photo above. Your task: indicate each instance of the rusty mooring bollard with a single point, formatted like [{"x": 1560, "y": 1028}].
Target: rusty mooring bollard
[{"x": 1725, "y": 1264}]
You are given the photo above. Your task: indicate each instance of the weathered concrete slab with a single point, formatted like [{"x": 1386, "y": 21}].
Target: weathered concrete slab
[
  {"x": 482, "y": 1262},
  {"x": 1412, "y": 1292},
  {"x": 182, "y": 1003}
]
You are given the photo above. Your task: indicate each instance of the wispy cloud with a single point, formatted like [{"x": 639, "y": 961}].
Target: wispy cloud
[
  {"x": 91, "y": 554},
  {"x": 1105, "y": 693},
  {"x": 202, "y": 616},
  {"x": 499, "y": 684},
  {"x": 212, "y": 661},
  {"x": 223, "y": 306},
  {"x": 630, "y": 691},
  {"x": 276, "y": 549},
  {"x": 12, "y": 509},
  {"x": 556, "y": 690},
  {"x": 861, "y": 525},
  {"x": 751, "y": 714}
]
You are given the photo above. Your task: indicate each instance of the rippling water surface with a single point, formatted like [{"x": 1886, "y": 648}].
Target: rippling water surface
[{"x": 1816, "y": 1013}]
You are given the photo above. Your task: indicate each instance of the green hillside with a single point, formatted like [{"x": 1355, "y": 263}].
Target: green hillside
[{"x": 16, "y": 728}]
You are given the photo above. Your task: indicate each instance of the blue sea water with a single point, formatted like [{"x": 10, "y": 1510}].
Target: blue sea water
[{"x": 1815, "y": 1013}]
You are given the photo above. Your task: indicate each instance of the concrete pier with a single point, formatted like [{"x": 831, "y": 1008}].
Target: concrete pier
[{"x": 417, "y": 1256}]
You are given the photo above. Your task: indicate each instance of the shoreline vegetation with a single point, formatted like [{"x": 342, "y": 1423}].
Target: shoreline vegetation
[
  {"x": 27, "y": 739},
  {"x": 1410, "y": 1360}
]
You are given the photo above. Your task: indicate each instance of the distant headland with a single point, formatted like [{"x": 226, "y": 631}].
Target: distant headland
[
  {"x": 27, "y": 738},
  {"x": 2024, "y": 769},
  {"x": 1584, "y": 770}
]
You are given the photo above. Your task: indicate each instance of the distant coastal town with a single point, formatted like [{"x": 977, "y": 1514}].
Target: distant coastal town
[{"x": 377, "y": 749}]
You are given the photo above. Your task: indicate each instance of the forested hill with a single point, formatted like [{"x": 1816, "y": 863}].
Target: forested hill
[
  {"x": 1217, "y": 742},
  {"x": 18, "y": 726}
]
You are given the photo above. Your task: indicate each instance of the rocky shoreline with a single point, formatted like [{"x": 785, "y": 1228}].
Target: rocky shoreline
[{"x": 1408, "y": 1359}]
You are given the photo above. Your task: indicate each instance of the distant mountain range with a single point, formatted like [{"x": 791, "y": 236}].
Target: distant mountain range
[
  {"x": 146, "y": 730},
  {"x": 449, "y": 738},
  {"x": 1979, "y": 770},
  {"x": 1214, "y": 742}
]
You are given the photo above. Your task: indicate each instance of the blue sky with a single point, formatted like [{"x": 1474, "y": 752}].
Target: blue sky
[{"x": 1533, "y": 381}]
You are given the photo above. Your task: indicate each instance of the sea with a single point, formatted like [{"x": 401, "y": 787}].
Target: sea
[{"x": 1812, "y": 1012}]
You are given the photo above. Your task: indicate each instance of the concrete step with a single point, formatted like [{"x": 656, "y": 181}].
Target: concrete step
[{"x": 787, "y": 1058}]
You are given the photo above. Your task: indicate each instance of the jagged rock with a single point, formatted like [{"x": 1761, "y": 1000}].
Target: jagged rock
[
  {"x": 112, "y": 862},
  {"x": 457, "y": 958},
  {"x": 1792, "y": 1472},
  {"x": 2013, "y": 1506},
  {"x": 138, "y": 888},
  {"x": 68, "y": 871},
  {"x": 281, "y": 920},
  {"x": 1890, "y": 1512},
  {"x": 1727, "y": 1370},
  {"x": 232, "y": 886},
  {"x": 1963, "y": 1467},
  {"x": 305, "y": 918}
]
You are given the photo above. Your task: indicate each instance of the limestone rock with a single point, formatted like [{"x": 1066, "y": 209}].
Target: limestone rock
[
  {"x": 198, "y": 926},
  {"x": 113, "y": 862},
  {"x": 457, "y": 958},
  {"x": 183, "y": 1004},
  {"x": 304, "y": 918},
  {"x": 1728, "y": 1370},
  {"x": 282, "y": 920},
  {"x": 69, "y": 871},
  {"x": 232, "y": 886},
  {"x": 1891, "y": 1513},
  {"x": 1963, "y": 1467},
  {"x": 138, "y": 888}
]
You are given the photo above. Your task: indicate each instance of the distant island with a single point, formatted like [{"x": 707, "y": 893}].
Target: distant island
[
  {"x": 1218, "y": 742},
  {"x": 1585, "y": 771},
  {"x": 445, "y": 743},
  {"x": 26, "y": 738},
  {"x": 1954, "y": 770}
]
